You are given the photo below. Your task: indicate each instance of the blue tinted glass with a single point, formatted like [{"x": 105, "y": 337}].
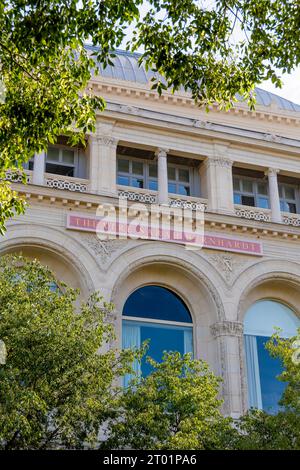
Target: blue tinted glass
[
  {"x": 172, "y": 188},
  {"x": 153, "y": 185},
  {"x": 124, "y": 180},
  {"x": 269, "y": 369},
  {"x": 182, "y": 189},
  {"x": 158, "y": 303},
  {"x": 161, "y": 339},
  {"x": 237, "y": 198},
  {"x": 263, "y": 202},
  {"x": 137, "y": 183}
]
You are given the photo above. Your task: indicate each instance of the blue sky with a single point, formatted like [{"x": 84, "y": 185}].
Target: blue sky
[
  {"x": 291, "y": 83},
  {"x": 290, "y": 89}
]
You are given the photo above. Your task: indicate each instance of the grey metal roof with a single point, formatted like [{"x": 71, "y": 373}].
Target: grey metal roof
[{"x": 126, "y": 68}]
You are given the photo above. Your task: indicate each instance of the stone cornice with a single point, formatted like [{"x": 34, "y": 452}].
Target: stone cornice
[
  {"x": 143, "y": 91},
  {"x": 216, "y": 130},
  {"x": 227, "y": 328},
  {"x": 48, "y": 197}
]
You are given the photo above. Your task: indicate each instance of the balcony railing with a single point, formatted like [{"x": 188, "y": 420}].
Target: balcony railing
[
  {"x": 253, "y": 213},
  {"x": 150, "y": 197},
  {"x": 291, "y": 219},
  {"x": 66, "y": 182},
  {"x": 137, "y": 194},
  {"x": 188, "y": 202},
  {"x": 17, "y": 177}
]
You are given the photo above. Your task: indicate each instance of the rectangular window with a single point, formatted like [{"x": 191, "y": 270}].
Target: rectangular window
[
  {"x": 179, "y": 180},
  {"x": 130, "y": 173},
  {"x": 287, "y": 194},
  {"x": 143, "y": 174},
  {"x": 250, "y": 192},
  {"x": 62, "y": 161}
]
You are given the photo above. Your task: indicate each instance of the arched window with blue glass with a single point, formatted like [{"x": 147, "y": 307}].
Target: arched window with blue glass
[
  {"x": 261, "y": 320},
  {"x": 156, "y": 314}
]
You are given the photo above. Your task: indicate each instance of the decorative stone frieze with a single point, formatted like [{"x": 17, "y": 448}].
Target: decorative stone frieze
[{"x": 227, "y": 328}]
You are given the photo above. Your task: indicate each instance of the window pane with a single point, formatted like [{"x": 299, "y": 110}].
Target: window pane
[
  {"x": 68, "y": 156},
  {"x": 153, "y": 170},
  {"x": 153, "y": 185},
  {"x": 123, "y": 165},
  {"x": 124, "y": 180},
  {"x": 262, "y": 188},
  {"x": 280, "y": 190},
  {"x": 137, "y": 168},
  {"x": 236, "y": 184},
  {"x": 157, "y": 303},
  {"x": 184, "y": 190},
  {"x": 292, "y": 207},
  {"x": 263, "y": 202},
  {"x": 52, "y": 154},
  {"x": 269, "y": 369},
  {"x": 162, "y": 338},
  {"x": 184, "y": 175},
  {"x": 283, "y": 206},
  {"x": 137, "y": 183},
  {"x": 237, "y": 198},
  {"x": 171, "y": 173},
  {"x": 248, "y": 201},
  {"x": 289, "y": 192},
  {"x": 172, "y": 188},
  {"x": 59, "y": 169},
  {"x": 247, "y": 186}
]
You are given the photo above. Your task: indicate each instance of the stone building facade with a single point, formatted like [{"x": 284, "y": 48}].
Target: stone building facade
[{"x": 241, "y": 167}]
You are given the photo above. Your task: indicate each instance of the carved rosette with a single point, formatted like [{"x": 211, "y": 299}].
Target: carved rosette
[{"x": 227, "y": 328}]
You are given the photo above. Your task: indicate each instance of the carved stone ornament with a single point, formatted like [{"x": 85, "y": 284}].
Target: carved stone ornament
[
  {"x": 227, "y": 328},
  {"x": 228, "y": 265},
  {"x": 202, "y": 124},
  {"x": 103, "y": 249},
  {"x": 272, "y": 138}
]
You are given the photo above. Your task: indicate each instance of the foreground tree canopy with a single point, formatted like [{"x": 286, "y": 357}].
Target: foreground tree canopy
[
  {"x": 55, "y": 389},
  {"x": 213, "y": 49},
  {"x": 60, "y": 382}
]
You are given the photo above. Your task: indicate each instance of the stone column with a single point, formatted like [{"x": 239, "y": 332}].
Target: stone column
[
  {"x": 229, "y": 336},
  {"x": 103, "y": 164},
  {"x": 39, "y": 168},
  {"x": 216, "y": 176},
  {"x": 274, "y": 195},
  {"x": 162, "y": 171}
]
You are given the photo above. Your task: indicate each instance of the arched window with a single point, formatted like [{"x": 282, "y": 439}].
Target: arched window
[
  {"x": 264, "y": 389},
  {"x": 156, "y": 314}
]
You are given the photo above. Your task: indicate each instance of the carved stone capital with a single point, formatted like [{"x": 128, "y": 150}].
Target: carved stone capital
[
  {"x": 227, "y": 328},
  {"x": 161, "y": 152},
  {"x": 219, "y": 161},
  {"x": 272, "y": 172},
  {"x": 107, "y": 140}
]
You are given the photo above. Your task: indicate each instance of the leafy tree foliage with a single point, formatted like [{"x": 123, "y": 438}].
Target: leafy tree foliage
[
  {"x": 261, "y": 431},
  {"x": 55, "y": 387},
  {"x": 175, "y": 407},
  {"x": 213, "y": 49}
]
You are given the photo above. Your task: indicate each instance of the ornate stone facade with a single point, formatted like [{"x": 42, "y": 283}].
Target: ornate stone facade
[{"x": 217, "y": 286}]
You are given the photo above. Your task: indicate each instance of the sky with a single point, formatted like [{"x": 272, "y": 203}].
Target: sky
[
  {"x": 291, "y": 82},
  {"x": 290, "y": 89}
]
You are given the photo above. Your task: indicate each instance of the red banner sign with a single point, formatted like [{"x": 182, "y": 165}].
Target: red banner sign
[{"x": 214, "y": 241}]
